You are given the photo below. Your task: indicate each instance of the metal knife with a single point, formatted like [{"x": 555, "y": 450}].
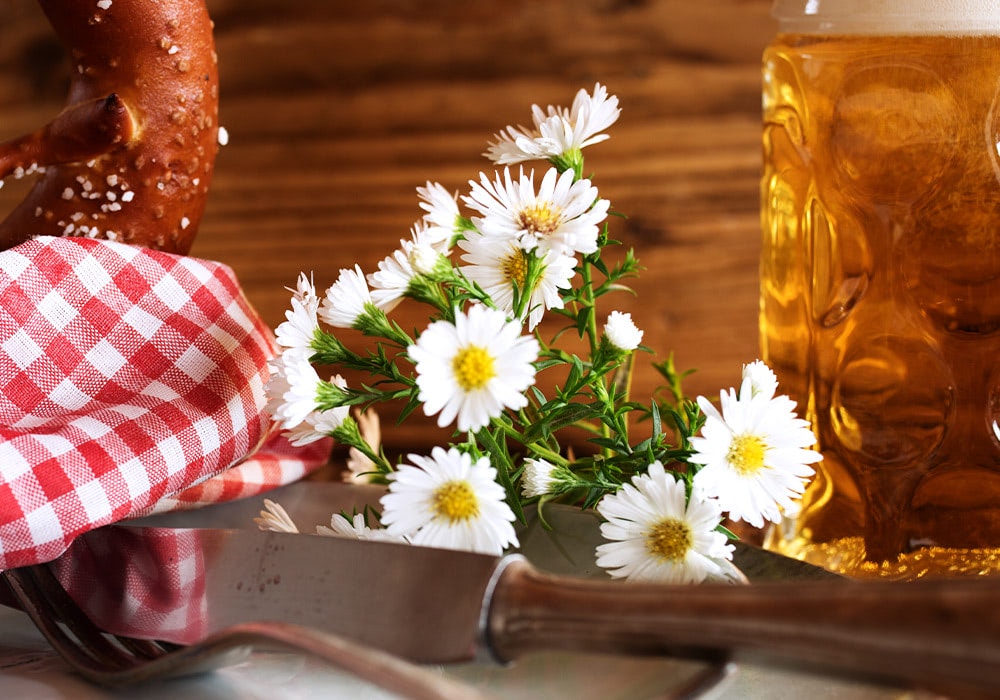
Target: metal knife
[
  {"x": 439, "y": 606},
  {"x": 563, "y": 544}
]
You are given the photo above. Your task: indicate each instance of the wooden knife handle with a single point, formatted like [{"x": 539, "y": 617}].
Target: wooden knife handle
[{"x": 939, "y": 633}]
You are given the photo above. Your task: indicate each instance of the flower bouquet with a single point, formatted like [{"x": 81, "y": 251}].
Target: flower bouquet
[{"x": 489, "y": 265}]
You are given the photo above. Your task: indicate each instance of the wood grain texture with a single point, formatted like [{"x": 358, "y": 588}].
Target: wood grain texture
[{"x": 337, "y": 111}]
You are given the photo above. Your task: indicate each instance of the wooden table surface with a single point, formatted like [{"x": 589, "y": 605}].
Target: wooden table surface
[{"x": 337, "y": 111}]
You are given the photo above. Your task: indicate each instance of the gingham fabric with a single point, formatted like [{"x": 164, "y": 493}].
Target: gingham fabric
[
  {"x": 127, "y": 378},
  {"x": 276, "y": 463},
  {"x": 159, "y": 587}
]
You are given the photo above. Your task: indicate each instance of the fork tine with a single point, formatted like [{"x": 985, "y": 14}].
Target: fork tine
[
  {"x": 94, "y": 656},
  {"x": 64, "y": 608},
  {"x": 143, "y": 648},
  {"x": 46, "y": 602},
  {"x": 126, "y": 660}
]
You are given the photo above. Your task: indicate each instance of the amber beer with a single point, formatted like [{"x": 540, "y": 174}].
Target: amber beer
[{"x": 880, "y": 280}]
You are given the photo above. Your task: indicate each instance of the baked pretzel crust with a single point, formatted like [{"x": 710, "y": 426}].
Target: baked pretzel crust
[{"x": 131, "y": 156}]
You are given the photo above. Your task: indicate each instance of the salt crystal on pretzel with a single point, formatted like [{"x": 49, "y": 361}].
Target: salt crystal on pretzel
[{"x": 131, "y": 156}]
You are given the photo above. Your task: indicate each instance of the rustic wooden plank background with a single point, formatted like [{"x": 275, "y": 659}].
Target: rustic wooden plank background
[{"x": 338, "y": 110}]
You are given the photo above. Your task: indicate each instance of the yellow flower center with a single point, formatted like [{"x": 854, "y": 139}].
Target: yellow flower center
[
  {"x": 746, "y": 454},
  {"x": 515, "y": 267},
  {"x": 455, "y": 500},
  {"x": 540, "y": 219},
  {"x": 473, "y": 367},
  {"x": 669, "y": 540}
]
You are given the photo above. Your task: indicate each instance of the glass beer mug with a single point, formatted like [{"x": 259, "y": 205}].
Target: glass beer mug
[{"x": 880, "y": 277}]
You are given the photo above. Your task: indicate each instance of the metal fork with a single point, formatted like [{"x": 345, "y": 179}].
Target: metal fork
[{"x": 118, "y": 660}]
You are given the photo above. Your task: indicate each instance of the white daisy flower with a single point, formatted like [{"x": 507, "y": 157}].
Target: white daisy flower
[
  {"x": 320, "y": 424},
  {"x": 558, "y": 131},
  {"x": 442, "y": 218},
  {"x": 274, "y": 518},
  {"x": 293, "y": 388},
  {"x": 447, "y": 500},
  {"x": 300, "y": 326},
  {"x": 583, "y": 124},
  {"x": 415, "y": 256},
  {"x": 301, "y": 321},
  {"x": 316, "y": 426},
  {"x": 356, "y": 528},
  {"x": 518, "y": 144},
  {"x": 304, "y": 290},
  {"x": 755, "y": 454},
  {"x": 762, "y": 379},
  {"x": 346, "y": 300},
  {"x": 621, "y": 332},
  {"x": 562, "y": 216},
  {"x": 658, "y": 535},
  {"x": 392, "y": 280},
  {"x": 475, "y": 368},
  {"x": 498, "y": 265}
]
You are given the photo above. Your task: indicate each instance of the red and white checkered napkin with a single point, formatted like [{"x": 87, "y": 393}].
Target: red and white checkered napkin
[
  {"x": 148, "y": 584},
  {"x": 127, "y": 378}
]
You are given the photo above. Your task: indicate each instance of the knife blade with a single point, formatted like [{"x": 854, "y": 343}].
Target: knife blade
[
  {"x": 440, "y": 606},
  {"x": 563, "y": 543}
]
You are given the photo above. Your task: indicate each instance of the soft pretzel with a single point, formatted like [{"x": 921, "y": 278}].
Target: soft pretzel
[{"x": 131, "y": 156}]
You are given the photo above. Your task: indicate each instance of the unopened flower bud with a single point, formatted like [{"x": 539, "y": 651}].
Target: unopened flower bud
[
  {"x": 762, "y": 379},
  {"x": 621, "y": 332},
  {"x": 539, "y": 476},
  {"x": 424, "y": 259}
]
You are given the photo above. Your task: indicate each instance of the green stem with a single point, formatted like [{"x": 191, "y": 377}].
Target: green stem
[
  {"x": 590, "y": 305},
  {"x": 548, "y": 455},
  {"x": 348, "y": 433}
]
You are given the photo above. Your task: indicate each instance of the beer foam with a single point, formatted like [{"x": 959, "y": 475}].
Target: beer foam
[{"x": 967, "y": 17}]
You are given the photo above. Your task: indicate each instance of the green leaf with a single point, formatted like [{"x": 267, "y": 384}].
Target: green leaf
[
  {"x": 506, "y": 474},
  {"x": 558, "y": 418},
  {"x": 609, "y": 443},
  {"x": 727, "y": 532},
  {"x": 546, "y": 364},
  {"x": 412, "y": 403}
]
